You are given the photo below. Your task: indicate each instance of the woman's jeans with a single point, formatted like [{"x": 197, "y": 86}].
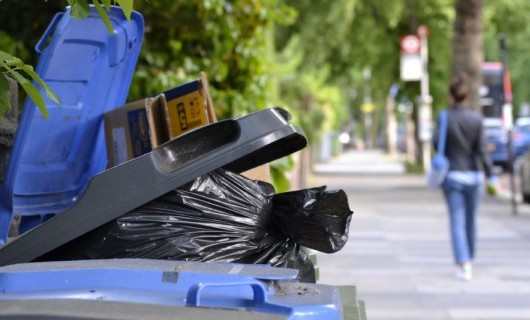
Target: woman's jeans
[{"x": 462, "y": 201}]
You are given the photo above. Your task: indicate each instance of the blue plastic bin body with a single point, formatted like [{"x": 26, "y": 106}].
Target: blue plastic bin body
[
  {"x": 173, "y": 284},
  {"x": 90, "y": 69}
]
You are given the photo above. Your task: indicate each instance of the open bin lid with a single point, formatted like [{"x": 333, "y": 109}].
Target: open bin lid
[
  {"x": 235, "y": 144},
  {"x": 90, "y": 69},
  {"x": 91, "y": 73}
]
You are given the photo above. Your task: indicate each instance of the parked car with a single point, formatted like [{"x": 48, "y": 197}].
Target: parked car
[
  {"x": 497, "y": 141},
  {"x": 521, "y": 136}
]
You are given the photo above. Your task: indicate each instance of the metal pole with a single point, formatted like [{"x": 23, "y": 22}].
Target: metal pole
[
  {"x": 425, "y": 114},
  {"x": 507, "y": 110}
]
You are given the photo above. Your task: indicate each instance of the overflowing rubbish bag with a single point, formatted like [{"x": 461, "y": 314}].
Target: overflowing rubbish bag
[{"x": 224, "y": 217}]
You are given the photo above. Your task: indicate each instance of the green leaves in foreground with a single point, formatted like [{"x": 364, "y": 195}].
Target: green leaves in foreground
[
  {"x": 12, "y": 67},
  {"x": 5, "y": 101},
  {"x": 81, "y": 8}
]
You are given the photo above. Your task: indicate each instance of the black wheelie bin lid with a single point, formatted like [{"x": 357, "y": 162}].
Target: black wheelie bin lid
[{"x": 234, "y": 144}]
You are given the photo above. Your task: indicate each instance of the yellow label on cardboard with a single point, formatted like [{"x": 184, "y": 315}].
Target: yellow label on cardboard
[{"x": 186, "y": 112}]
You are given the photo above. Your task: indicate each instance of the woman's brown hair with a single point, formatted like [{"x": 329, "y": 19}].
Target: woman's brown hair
[{"x": 459, "y": 87}]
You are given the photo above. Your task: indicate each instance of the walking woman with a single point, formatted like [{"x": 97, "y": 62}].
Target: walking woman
[{"x": 469, "y": 161}]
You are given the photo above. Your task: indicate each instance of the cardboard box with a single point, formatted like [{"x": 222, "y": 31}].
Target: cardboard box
[
  {"x": 156, "y": 118},
  {"x": 127, "y": 132},
  {"x": 188, "y": 107},
  {"x": 138, "y": 127}
]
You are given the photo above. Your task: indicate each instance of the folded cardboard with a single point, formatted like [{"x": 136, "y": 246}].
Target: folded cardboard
[
  {"x": 138, "y": 127},
  {"x": 127, "y": 132},
  {"x": 156, "y": 118},
  {"x": 185, "y": 108}
]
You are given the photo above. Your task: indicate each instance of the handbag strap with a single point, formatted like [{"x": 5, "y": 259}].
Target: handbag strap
[{"x": 442, "y": 132}]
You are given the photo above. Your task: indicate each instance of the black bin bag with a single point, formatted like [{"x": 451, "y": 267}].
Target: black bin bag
[
  {"x": 224, "y": 217},
  {"x": 314, "y": 218}
]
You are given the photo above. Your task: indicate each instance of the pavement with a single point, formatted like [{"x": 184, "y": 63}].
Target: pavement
[{"x": 398, "y": 254}]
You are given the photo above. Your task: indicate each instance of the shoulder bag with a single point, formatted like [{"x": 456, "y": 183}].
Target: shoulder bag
[{"x": 439, "y": 162}]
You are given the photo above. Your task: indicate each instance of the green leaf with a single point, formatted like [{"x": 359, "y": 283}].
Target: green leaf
[
  {"x": 104, "y": 16},
  {"x": 32, "y": 92},
  {"x": 106, "y": 3},
  {"x": 127, "y": 7},
  {"x": 4, "y": 56},
  {"x": 5, "y": 99},
  {"x": 280, "y": 181},
  {"x": 282, "y": 164},
  {"x": 7, "y": 62},
  {"x": 49, "y": 92},
  {"x": 79, "y": 8},
  {"x": 13, "y": 61}
]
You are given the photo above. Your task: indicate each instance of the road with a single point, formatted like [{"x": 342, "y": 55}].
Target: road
[{"x": 398, "y": 254}]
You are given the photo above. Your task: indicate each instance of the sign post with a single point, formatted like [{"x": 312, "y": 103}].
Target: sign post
[
  {"x": 414, "y": 67},
  {"x": 410, "y": 61},
  {"x": 425, "y": 121}
]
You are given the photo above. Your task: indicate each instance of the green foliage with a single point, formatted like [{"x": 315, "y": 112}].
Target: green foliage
[
  {"x": 226, "y": 39},
  {"x": 346, "y": 36},
  {"x": 278, "y": 168},
  {"x": 413, "y": 167},
  {"x": 229, "y": 40},
  {"x": 81, "y": 8},
  {"x": 12, "y": 67},
  {"x": 5, "y": 101},
  {"x": 306, "y": 56},
  {"x": 13, "y": 46}
]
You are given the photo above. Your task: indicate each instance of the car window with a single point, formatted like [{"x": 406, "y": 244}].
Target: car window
[
  {"x": 524, "y": 128},
  {"x": 492, "y": 130}
]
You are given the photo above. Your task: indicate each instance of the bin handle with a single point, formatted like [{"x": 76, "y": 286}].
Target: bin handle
[
  {"x": 47, "y": 34},
  {"x": 194, "y": 293}
]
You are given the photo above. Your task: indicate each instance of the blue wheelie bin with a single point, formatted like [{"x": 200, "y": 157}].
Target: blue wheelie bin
[{"x": 52, "y": 159}]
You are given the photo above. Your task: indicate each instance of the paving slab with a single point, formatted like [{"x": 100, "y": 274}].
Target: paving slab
[{"x": 398, "y": 254}]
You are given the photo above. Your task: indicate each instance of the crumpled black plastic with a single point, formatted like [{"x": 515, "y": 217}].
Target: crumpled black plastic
[
  {"x": 224, "y": 217},
  {"x": 314, "y": 218}
]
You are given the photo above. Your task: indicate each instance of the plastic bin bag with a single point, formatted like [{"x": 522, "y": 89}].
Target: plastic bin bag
[
  {"x": 221, "y": 216},
  {"x": 314, "y": 218}
]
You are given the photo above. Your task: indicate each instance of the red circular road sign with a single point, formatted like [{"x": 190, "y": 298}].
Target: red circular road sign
[{"x": 410, "y": 44}]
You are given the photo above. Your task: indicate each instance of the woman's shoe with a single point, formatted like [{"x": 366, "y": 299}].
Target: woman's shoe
[{"x": 465, "y": 272}]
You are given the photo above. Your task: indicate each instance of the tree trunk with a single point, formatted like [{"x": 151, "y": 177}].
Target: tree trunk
[{"x": 467, "y": 45}]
